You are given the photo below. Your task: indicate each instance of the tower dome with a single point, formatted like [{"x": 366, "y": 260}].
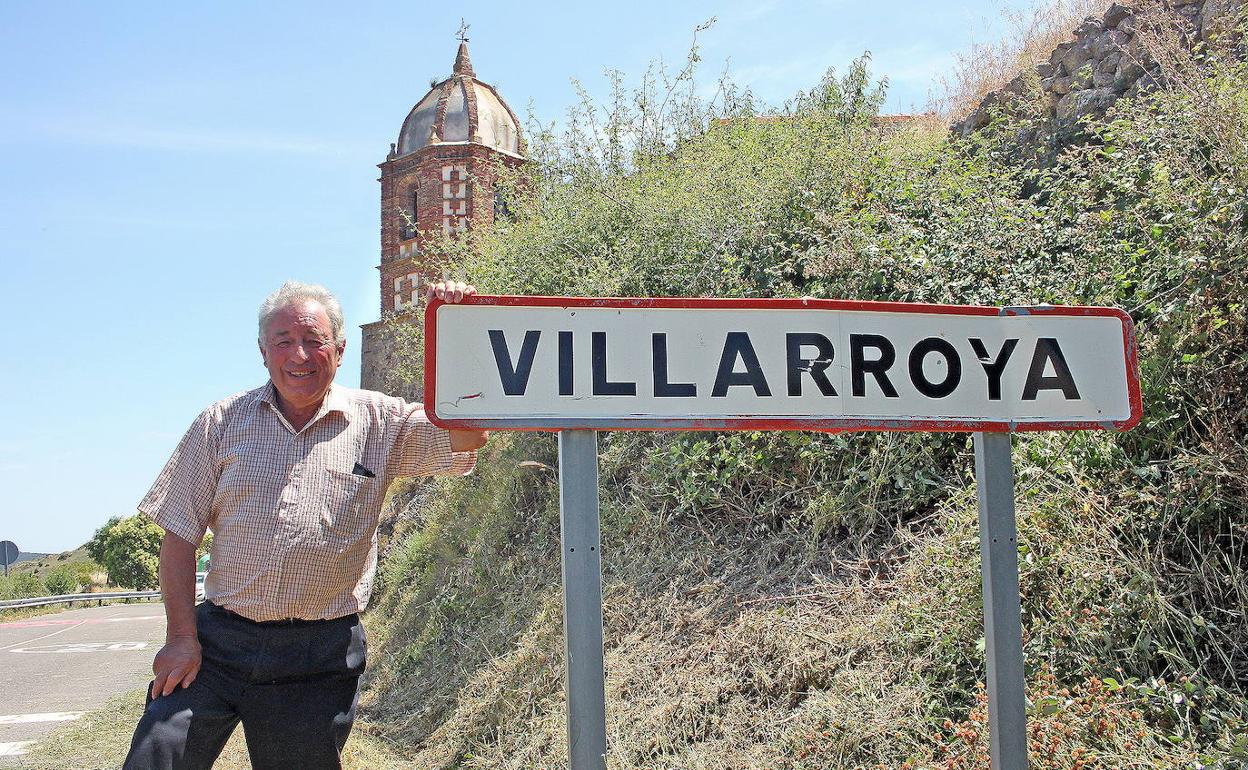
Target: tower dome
[{"x": 461, "y": 109}]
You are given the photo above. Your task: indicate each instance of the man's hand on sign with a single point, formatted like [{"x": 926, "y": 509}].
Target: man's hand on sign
[
  {"x": 449, "y": 291},
  {"x": 177, "y": 663},
  {"x": 455, "y": 291}
]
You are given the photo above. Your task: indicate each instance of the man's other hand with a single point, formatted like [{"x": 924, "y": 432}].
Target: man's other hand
[
  {"x": 468, "y": 440},
  {"x": 449, "y": 291},
  {"x": 177, "y": 663}
]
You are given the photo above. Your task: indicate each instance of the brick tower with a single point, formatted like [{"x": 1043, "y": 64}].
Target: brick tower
[{"x": 437, "y": 180}]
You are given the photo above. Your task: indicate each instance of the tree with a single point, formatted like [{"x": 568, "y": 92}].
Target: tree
[
  {"x": 129, "y": 549},
  {"x": 95, "y": 546}
]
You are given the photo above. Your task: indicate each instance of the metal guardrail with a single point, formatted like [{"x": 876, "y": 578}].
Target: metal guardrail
[{"x": 40, "y": 601}]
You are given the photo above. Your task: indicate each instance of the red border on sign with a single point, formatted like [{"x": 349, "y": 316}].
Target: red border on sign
[{"x": 823, "y": 424}]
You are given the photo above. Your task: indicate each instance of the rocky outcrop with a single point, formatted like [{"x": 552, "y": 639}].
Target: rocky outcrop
[{"x": 1108, "y": 59}]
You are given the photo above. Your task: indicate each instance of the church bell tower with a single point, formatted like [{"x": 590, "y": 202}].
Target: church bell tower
[{"x": 437, "y": 181}]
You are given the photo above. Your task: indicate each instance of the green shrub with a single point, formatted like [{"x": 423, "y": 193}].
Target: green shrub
[
  {"x": 20, "y": 585},
  {"x": 62, "y": 580}
]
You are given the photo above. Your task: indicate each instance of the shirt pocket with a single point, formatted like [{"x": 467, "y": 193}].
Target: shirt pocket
[
  {"x": 348, "y": 516},
  {"x": 245, "y": 483}
]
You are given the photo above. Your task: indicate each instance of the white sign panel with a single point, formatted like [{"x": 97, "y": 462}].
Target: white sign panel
[{"x": 559, "y": 362}]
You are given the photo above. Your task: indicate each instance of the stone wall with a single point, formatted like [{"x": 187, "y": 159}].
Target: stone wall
[
  {"x": 383, "y": 359},
  {"x": 1108, "y": 59}
]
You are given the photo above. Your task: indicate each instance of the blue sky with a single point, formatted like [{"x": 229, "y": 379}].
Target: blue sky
[{"x": 165, "y": 165}]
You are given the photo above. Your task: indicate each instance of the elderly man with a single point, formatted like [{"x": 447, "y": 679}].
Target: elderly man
[{"x": 290, "y": 477}]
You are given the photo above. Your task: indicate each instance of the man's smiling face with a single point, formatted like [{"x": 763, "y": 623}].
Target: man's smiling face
[{"x": 301, "y": 355}]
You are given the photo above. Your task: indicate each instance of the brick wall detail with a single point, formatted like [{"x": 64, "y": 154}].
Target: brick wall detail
[{"x": 453, "y": 188}]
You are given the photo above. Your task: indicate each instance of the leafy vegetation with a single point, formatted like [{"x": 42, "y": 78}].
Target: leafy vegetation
[
  {"x": 19, "y": 585},
  {"x": 800, "y": 600},
  {"x": 65, "y": 580},
  {"x": 53, "y": 575},
  {"x": 129, "y": 549}
]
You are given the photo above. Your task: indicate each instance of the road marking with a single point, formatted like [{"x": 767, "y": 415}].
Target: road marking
[
  {"x": 83, "y": 647},
  {"x": 64, "y": 622},
  {"x": 51, "y": 716},
  {"x": 14, "y": 748},
  {"x": 45, "y": 636}
]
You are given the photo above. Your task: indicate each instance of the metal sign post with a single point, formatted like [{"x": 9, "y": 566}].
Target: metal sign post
[
  {"x": 582, "y": 599},
  {"x": 1003, "y": 626}
]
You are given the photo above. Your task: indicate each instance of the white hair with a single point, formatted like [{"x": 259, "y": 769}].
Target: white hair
[{"x": 294, "y": 292}]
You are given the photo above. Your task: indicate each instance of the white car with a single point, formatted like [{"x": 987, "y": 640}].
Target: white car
[{"x": 199, "y": 585}]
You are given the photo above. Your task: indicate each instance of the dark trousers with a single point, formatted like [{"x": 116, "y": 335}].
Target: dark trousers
[{"x": 292, "y": 684}]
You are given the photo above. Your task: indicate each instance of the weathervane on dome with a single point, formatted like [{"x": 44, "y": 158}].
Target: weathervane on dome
[{"x": 462, "y": 34}]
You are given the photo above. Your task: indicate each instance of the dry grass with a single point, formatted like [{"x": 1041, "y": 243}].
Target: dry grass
[
  {"x": 735, "y": 648},
  {"x": 710, "y": 665},
  {"x": 1032, "y": 34},
  {"x": 8, "y": 616}
]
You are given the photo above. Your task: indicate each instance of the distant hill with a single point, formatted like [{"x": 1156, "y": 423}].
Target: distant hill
[{"x": 43, "y": 563}]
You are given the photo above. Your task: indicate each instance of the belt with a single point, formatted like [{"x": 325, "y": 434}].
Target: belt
[{"x": 281, "y": 621}]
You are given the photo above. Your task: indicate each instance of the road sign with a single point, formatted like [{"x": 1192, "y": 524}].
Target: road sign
[
  {"x": 688, "y": 364},
  {"x": 578, "y": 365},
  {"x": 8, "y": 554}
]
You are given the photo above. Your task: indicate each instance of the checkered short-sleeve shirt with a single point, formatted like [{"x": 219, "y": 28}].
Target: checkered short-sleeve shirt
[{"x": 294, "y": 513}]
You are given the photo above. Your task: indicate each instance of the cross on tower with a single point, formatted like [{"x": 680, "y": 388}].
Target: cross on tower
[{"x": 462, "y": 34}]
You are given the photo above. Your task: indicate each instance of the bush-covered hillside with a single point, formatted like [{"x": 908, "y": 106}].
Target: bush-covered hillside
[
  {"x": 811, "y": 601},
  {"x": 52, "y": 574}
]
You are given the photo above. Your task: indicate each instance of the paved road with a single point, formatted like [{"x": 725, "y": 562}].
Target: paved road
[{"x": 55, "y": 667}]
